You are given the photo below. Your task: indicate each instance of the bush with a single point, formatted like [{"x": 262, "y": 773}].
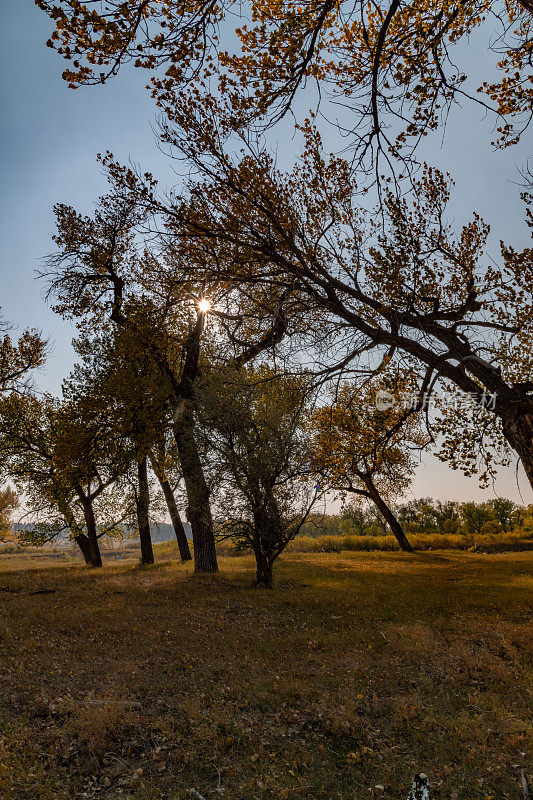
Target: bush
[{"x": 491, "y": 528}]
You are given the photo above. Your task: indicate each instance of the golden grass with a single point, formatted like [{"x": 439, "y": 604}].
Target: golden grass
[
  {"x": 498, "y": 543},
  {"x": 359, "y": 670}
]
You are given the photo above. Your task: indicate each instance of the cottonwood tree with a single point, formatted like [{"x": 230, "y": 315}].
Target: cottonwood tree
[
  {"x": 475, "y": 515},
  {"x": 164, "y": 462},
  {"x": 121, "y": 377},
  {"x": 99, "y": 273},
  {"x": 505, "y": 512},
  {"x": 392, "y": 66},
  {"x": 90, "y": 458},
  {"x": 94, "y": 276},
  {"x": 410, "y": 284},
  {"x": 363, "y": 450},
  {"x": 255, "y": 422},
  {"x": 425, "y": 515},
  {"x": 117, "y": 370},
  {"x": 28, "y": 449}
]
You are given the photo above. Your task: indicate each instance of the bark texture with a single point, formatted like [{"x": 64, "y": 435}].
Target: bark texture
[
  {"x": 177, "y": 524},
  {"x": 83, "y": 543},
  {"x": 518, "y": 431},
  {"x": 389, "y": 517},
  {"x": 199, "y": 509},
  {"x": 90, "y": 523},
  {"x": 264, "y": 578}
]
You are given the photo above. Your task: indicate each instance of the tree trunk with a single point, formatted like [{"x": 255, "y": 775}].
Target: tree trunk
[
  {"x": 143, "y": 519},
  {"x": 198, "y": 505},
  {"x": 264, "y": 578},
  {"x": 177, "y": 524},
  {"x": 79, "y": 537},
  {"x": 391, "y": 520},
  {"x": 83, "y": 543},
  {"x": 518, "y": 431},
  {"x": 90, "y": 522}
]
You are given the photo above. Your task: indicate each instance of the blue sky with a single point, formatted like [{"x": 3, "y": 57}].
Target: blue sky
[{"x": 50, "y": 136}]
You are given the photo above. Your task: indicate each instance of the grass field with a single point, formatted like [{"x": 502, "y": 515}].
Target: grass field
[{"x": 357, "y": 671}]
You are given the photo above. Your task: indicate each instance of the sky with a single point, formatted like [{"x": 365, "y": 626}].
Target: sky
[{"x": 49, "y": 139}]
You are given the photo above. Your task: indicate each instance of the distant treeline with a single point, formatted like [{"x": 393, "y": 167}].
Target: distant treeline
[
  {"x": 159, "y": 531},
  {"x": 424, "y": 516},
  {"x": 427, "y": 516}
]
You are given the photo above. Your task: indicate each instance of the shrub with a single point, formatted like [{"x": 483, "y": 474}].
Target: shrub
[{"x": 491, "y": 528}]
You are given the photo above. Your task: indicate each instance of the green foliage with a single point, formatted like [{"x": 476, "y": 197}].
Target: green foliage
[
  {"x": 474, "y": 516},
  {"x": 255, "y": 424},
  {"x": 491, "y": 528},
  {"x": 425, "y": 516}
]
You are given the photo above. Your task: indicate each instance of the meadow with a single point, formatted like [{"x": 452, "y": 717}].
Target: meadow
[{"x": 356, "y": 672}]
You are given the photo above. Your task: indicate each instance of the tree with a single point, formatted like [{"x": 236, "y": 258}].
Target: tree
[
  {"x": 89, "y": 458},
  {"x": 119, "y": 376},
  {"x": 8, "y": 503},
  {"x": 390, "y": 64},
  {"x": 410, "y": 284},
  {"x": 411, "y": 287},
  {"x": 491, "y": 528},
  {"x": 364, "y": 450},
  {"x": 354, "y": 519},
  {"x": 256, "y": 430},
  {"x": 142, "y": 504},
  {"x": 99, "y": 274},
  {"x": 28, "y": 449},
  {"x": 101, "y": 278},
  {"x": 475, "y": 515},
  {"x": 162, "y": 466},
  {"x": 426, "y": 515},
  {"x": 504, "y": 511}
]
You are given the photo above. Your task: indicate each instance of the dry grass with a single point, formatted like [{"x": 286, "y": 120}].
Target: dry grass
[
  {"x": 356, "y": 672},
  {"x": 483, "y": 543}
]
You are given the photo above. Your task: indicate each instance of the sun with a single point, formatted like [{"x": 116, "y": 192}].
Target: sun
[{"x": 204, "y": 305}]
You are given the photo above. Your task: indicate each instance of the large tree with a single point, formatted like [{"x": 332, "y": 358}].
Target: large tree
[
  {"x": 89, "y": 457},
  {"x": 403, "y": 281},
  {"x": 165, "y": 465},
  {"x": 121, "y": 377},
  {"x": 104, "y": 269},
  {"x": 118, "y": 369},
  {"x": 102, "y": 276}
]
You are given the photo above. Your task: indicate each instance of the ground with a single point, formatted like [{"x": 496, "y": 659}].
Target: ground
[{"x": 356, "y": 672}]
